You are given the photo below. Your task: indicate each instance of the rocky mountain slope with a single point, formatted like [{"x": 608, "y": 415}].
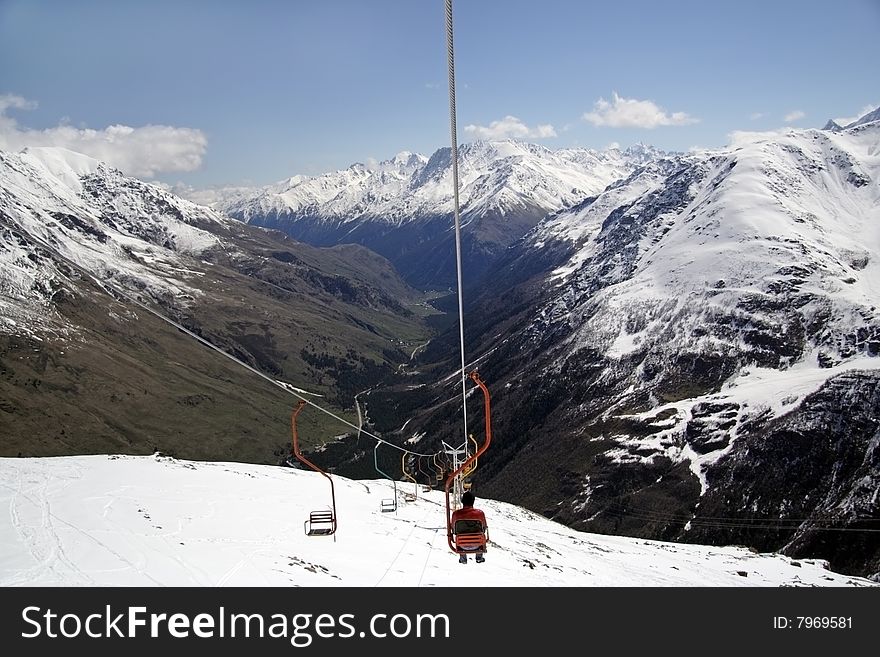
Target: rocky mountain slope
[{"x": 85, "y": 369}]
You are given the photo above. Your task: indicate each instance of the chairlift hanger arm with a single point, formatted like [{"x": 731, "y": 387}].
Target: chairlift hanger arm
[{"x": 488, "y": 421}]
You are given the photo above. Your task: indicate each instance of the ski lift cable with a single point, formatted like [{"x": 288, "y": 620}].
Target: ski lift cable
[{"x": 450, "y": 58}]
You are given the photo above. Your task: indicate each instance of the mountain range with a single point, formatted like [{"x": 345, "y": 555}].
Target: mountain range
[
  {"x": 402, "y": 208},
  {"x": 680, "y": 346}
]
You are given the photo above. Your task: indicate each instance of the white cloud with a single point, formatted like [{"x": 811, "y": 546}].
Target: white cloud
[
  {"x": 632, "y": 113},
  {"x": 794, "y": 116},
  {"x": 510, "y": 127},
  {"x": 8, "y": 101},
  {"x": 144, "y": 151},
  {"x": 846, "y": 120},
  {"x": 754, "y": 116}
]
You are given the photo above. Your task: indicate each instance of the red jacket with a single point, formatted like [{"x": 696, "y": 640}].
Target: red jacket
[{"x": 469, "y": 513}]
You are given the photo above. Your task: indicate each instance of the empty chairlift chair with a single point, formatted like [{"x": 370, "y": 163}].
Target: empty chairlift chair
[
  {"x": 385, "y": 505},
  {"x": 439, "y": 467},
  {"x": 322, "y": 522}
]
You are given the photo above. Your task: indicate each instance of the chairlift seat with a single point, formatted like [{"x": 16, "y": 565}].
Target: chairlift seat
[
  {"x": 388, "y": 505},
  {"x": 470, "y": 536},
  {"x": 320, "y": 523}
]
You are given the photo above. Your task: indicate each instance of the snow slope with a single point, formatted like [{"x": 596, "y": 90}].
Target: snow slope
[{"x": 156, "y": 521}]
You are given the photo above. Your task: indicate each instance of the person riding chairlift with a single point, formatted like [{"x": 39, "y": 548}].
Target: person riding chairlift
[{"x": 468, "y": 520}]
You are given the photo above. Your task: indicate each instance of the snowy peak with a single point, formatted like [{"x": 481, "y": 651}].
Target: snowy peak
[
  {"x": 402, "y": 207},
  {"x": 405, "y": 161},
  {"x": 334, "y": 195},
  {"x": 495, "y": 176},
  {"x": 642, "y": 153}
]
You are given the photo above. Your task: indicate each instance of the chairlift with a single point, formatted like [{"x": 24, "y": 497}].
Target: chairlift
[
  {"x": 426, "y": 488},
  {"x": 469, "y": 536},
  {"x": 439, "y": 467},
  {"x": 409, "y": 497},
  {"x": 386, "y": 505},
  {"x": 322, "y": 522}
]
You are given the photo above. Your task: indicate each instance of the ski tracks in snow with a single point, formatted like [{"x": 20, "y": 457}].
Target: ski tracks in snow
[
  {"x": 41, "y": 537},
  {"x": 413, "y": 556}
]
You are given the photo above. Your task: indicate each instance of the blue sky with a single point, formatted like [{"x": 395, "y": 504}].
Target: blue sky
[{"x": 220, "y": 92}]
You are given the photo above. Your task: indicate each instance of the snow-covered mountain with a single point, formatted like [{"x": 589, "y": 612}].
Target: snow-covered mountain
[
  {"x": 156, "y": 521},
  {"x": 780, "y": 225},
  {"x": 497, "y": 177},
  {"x": 694, "y": 352},
  {"x": 834, "y": 126},
  {"x": 85, "y": 368},
  {"x": 122, "y": 230},
  {"x": 402, "y": 207},
  {"x": 871, "y": 116}
]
